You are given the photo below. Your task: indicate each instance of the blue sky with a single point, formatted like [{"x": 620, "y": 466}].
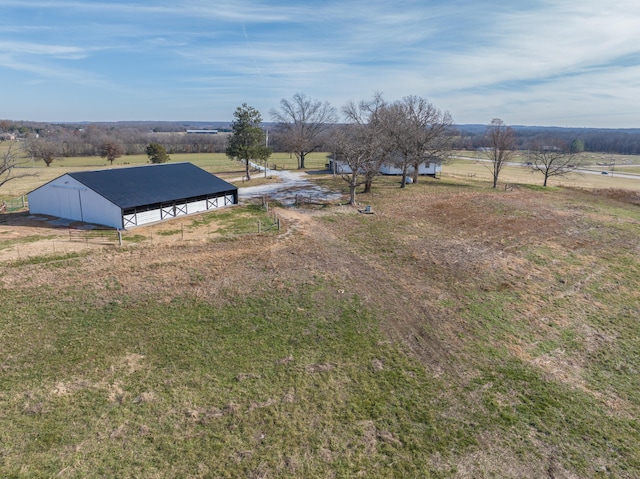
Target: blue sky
[{"x": 553, "y": 63}]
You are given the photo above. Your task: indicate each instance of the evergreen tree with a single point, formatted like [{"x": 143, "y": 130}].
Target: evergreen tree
[
  {"x": 157, "y": 153},
  {"x": 247, "y": 142}
]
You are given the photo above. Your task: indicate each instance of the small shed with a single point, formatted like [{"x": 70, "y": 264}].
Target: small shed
[{"x": 124, "y": 198}]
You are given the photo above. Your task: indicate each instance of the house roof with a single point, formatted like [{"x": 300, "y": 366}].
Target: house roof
[{"x": 150, "y": 184}]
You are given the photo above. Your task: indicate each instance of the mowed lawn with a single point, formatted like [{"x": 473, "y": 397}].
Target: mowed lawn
[{"x": 459, "y": 331}]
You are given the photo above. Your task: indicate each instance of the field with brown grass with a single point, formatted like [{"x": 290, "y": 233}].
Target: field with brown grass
[{"x": 459, "y": 331}]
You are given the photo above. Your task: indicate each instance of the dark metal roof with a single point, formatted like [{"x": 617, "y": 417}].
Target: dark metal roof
[{"x": 151, "y": 184}]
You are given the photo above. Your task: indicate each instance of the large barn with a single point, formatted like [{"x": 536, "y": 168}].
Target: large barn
[{"x": 124, "y": 198}]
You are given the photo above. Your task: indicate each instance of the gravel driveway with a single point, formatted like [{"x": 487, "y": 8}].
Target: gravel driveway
[{"x": 292, "y": 184}]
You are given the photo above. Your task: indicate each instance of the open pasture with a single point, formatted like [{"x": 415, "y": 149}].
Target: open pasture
[
  {"x": 479, "y": 170},
  {"x": 459, "y": 331}
]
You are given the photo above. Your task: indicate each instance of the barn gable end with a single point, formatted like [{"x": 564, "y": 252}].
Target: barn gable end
[{"x": 66, "y": 197}]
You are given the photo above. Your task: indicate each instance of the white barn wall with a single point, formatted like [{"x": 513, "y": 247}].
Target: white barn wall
[
  {"x": 67, "y": 198},
  {"x": 57, "y": 198},
  {"x": 197, "y": 206},
  {"x": 146, "y": 217},
  {"x": 181, "y": 209},
  {"x": 99, "y": 210}
]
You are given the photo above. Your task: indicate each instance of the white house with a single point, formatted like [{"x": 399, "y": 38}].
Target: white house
[
  {"x": 127, "y": 197},
  {"x": 428, "y": 168}
]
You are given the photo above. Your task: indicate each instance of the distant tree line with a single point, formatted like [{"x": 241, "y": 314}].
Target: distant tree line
[
  {"x": 90, "y": 140},
  {"x": 597, "y": 140},
  {"x": 405, "y": 133}
]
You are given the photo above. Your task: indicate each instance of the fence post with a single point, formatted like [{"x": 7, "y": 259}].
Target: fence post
[
  {"x": 278, "y": 224},
  {"x": 120, "y": 237}
]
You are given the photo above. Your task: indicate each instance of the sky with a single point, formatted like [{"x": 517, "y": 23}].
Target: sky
[{"x": 567, "y": 63}]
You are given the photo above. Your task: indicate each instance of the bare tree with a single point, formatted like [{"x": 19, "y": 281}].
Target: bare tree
[
  {"x": 432, "y": 140},
  {"x": 419, "y": 133},
  {"x": 111, "y": 151},
  {"x": 401, "y": 135},
  {"x": 353, "y": 151},
  {"x": 302, "y": 124},
  {"x": 500, "y": 141},
  {"x": 370, "y": 115},
  {"x": 9, "y": 161},
  {"x": 43, "y": 149},
  {"x": 552, "y": 158},
  {"x": 360, "y": 145}
]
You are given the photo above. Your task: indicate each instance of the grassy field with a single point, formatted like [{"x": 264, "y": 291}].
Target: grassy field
[
  {"x": 459, "y": 331},
  {"x": 221, "y": 165},
  {"x": 217, "y": 163},
  {"x": 588, "y": 159},
  {"x": 521, "y": 175}
]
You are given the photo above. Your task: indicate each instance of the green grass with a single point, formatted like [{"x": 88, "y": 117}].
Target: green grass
[
  {"x": 215, "y": 162},
  {"x": 133, "y": 237},
  {"x": 267, "y": 383},
  {"x": 278, "y": 385},
  {"x": 49, "y": 261},
  {"x": 518, "y": 398},
  {"x": 10, "y": 243},
  {"x": 169, "y": 232},
  {"x": 237, "y": 221},
  {"x": 575, "y": 307}
]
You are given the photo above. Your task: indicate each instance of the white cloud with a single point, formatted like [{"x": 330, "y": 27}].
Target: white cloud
[{"x": 58, "y": 51}]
